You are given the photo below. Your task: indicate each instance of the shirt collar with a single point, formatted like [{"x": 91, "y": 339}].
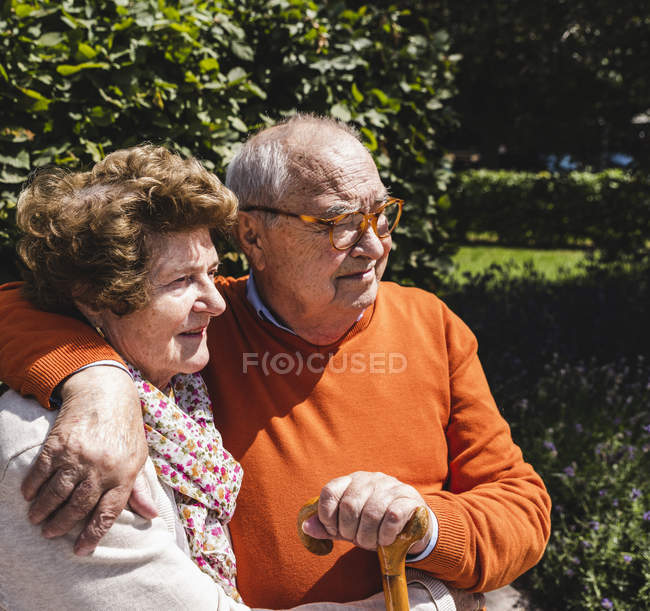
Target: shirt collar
[
  {"x": 255, "y": 300},
  {"x": 263, "y": 312}
]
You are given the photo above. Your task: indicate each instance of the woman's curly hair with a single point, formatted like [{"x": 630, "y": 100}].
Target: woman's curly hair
[{"x": 87, "y": 236}]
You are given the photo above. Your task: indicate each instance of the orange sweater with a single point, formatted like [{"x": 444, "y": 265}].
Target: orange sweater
[{"x": 402, "y": 392}]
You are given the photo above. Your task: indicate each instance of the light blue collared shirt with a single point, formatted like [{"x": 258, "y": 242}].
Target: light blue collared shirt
[{"x": 255, "y": 300}]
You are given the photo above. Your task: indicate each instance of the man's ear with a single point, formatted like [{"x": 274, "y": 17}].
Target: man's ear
[{"x": 250, "y": 235}]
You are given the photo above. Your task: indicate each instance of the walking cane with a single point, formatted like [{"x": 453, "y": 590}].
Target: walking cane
[{"x": 392, "y": 558}]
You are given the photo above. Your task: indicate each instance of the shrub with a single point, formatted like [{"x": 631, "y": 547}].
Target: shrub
[
  {"x": 82, "y": 77},
  {"x": 563, "y": 363},
  {"x": 609, "y": 209},
  {"x": 586, "y": 428},
  {"x": 522, "y": 322}
]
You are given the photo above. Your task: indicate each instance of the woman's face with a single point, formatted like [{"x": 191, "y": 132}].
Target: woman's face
[{"x": 168, "y": 336}]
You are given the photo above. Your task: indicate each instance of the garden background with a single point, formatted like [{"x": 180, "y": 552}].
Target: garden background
[{"x": 501, "y": 123}]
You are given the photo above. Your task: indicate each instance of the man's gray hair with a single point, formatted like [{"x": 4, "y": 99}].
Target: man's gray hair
[{"x": 260, "y": 173}]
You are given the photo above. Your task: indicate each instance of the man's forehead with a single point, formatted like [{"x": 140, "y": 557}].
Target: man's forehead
[{"x": 344, "y": 170}]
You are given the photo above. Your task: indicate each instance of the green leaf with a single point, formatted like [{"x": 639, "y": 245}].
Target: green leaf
[
  {"x": 254, "y": 89},
  {"x": 371, "y": 141},
  {"x": 50, "y": 39},
  {"x": 86, "y": 50},
  {"x": 208, "y": 64},
  {"x": 33, "y": 94},
  {"x": 243, "y": 52},
  {"x": 238, "y": 124},
  {"x": 21, "y": 160},
  {"x": 236, "y": 74},
  {"x": 68, "y": 69},
  {"x": 356, "y": 94},
  {"x": 12, "y": 177},
  {"x": 4, "y": 73},
  {"x": 23, "y": 10},
  {"x": 380, "y": 95},
  {"x": 341, "y": 112},
  {"x": 122, "y": 25}
]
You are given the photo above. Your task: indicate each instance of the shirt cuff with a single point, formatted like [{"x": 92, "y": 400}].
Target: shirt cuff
[
  {"x": 432, "y": 542},
  {"x": 55, "y": 398}
]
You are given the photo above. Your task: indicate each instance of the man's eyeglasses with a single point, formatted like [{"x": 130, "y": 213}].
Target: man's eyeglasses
[{"x": 347, "y": 229}]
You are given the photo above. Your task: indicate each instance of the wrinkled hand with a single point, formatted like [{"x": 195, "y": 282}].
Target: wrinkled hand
[
  {"x": 369, "y": 509},
  {"x": 89, "y": 462}
]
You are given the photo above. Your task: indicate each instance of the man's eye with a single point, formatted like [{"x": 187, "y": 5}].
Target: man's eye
[{"x": 181, "y": 280}]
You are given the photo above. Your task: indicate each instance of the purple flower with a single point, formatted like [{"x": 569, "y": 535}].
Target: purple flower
[
  {"x": 602, "y": 492},
  {"x": 575, "y": 560},
  {"x": 615, "y": 502},
  {"x": 627, "y": 558},
  {"x": 635, "y": 494},
  {"x": 569, "y": 572},
  {"x": 646, "y": 428},
  {"x": 646, "y": 516},
  {"x": 586, "y": 544},
  {"x": 595, "y": 525},
  {"x": 606, "y": 603},
  {"x": 549, "y": 445},
  {"x": 579, "y": 428},
  {"x": 570, "y": 471}
]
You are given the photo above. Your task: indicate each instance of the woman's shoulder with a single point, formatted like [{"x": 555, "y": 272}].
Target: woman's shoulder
[{"x": 24, "y": 425}]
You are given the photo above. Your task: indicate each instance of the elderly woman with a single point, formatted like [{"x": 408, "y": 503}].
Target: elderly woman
[{"x": 129, "y": 246}]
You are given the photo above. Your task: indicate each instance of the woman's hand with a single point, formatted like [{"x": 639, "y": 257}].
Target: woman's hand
[{"x": 90, "y": 460}]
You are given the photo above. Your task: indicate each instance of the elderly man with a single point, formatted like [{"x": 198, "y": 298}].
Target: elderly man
[{"x": 324, "y": 380}]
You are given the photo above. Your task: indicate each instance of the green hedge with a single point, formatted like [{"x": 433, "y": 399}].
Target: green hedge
[
  {"x": 567, "y": 364},
  {"x": 80, "y": 78},
  {"x": 610, "y": 209}
]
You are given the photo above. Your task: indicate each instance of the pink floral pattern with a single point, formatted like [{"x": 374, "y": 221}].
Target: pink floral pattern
[{"x": 189, "y": 456}]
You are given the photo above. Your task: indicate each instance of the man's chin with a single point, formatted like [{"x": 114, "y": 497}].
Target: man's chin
[{"x": 364, "y": 299}]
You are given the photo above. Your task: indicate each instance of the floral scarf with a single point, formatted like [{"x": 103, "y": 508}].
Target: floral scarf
[{"x": 188, "y": 454}]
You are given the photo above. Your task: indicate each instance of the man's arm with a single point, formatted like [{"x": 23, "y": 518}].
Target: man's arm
[
  {"x": 38, "y": 350},
  {"x": 91, "y": 459},
  {"x": 494, "y": 514}
]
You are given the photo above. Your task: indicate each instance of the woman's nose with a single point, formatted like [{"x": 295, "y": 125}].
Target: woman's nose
[{"x": 210, "y": 299}]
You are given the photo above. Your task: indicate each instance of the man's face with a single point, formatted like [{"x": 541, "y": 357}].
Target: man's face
[{"x": 303, "y": 275}]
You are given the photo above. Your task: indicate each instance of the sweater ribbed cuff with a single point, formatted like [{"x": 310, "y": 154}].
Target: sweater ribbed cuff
[
  {"x": 52, "y": 368},
  {"x": 448, "y": 555}
]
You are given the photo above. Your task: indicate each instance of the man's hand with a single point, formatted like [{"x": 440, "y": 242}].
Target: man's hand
[
  {"x": 91, "y": 458},
  {"x": 369, "y": 509}
]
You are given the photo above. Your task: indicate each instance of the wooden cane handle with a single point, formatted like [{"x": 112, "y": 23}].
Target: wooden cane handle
[
  {"x": 320, "y": 547},
  {"x": 392, "y": 561},
  {"x": 392, "y": 556}
]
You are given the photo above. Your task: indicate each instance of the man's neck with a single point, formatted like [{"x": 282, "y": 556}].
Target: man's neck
[{"x": 314, "y": 331}]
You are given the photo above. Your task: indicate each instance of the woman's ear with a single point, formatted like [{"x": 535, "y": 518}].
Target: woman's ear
[
  {"x": 94, "y": 317},
  {"x": 250, "y": 235}
]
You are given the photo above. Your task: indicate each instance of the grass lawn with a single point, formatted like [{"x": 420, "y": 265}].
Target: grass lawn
[{"x": 551, "y": 263}]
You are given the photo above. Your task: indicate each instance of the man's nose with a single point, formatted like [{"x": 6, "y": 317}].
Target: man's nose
[
  {"x": 210, "y": 300},
  {"x": 370, "y": 245}
]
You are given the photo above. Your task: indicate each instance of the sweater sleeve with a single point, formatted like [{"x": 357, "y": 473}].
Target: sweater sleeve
[
  {"x": 39, "y": 349},
  {"x": 494, "y": 512}
]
